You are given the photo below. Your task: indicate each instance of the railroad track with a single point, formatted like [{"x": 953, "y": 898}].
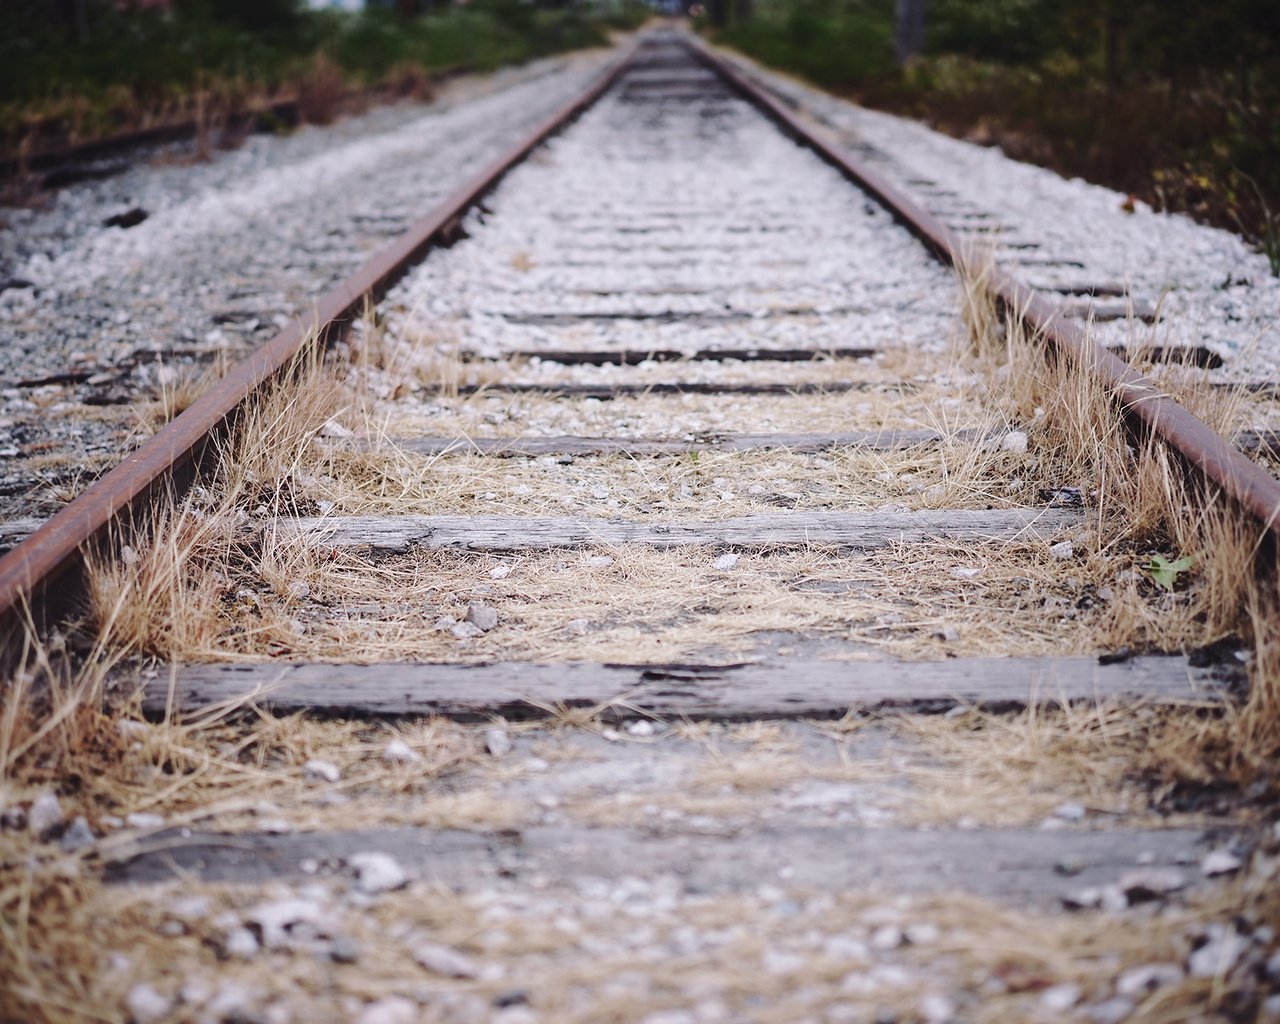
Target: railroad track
[{"x": 675, "y": 467}]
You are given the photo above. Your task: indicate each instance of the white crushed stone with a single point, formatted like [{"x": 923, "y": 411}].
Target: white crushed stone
[
  {"x": 446, "y": 961},
  {"x": 1212, "y": 288},
  {"x": 45, "y": 814},
  {"x": 399, "y": 752},
  {"x": 326, "y": 771},
  {"x": 377, "y": 872}
]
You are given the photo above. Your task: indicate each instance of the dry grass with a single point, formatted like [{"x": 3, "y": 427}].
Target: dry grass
[{"x": 1141, "y": 503}]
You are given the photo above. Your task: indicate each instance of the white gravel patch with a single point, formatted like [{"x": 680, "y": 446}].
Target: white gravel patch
[
  {"x": 677, "y": 226},
  {"x": 232, "y": 248},
  {"x": 1211, "y": 287}
]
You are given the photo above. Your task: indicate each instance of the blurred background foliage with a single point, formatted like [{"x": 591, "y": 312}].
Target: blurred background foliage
[
  {"x": 1176, "y": 102},
  {"x": 77, "y": 69}
]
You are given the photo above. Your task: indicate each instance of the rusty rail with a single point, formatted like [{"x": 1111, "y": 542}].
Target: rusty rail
[
  {"x": 29, "y": 572},
  {"x": 1246, "y": 484}
]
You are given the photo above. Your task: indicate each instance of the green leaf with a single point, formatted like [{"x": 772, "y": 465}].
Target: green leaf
[{"x": 1165, "y": 572}]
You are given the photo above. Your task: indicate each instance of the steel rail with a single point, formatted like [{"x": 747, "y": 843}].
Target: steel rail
[
  {"x": 29, "y": 572},
  {"x": 1247, "y": 485}
]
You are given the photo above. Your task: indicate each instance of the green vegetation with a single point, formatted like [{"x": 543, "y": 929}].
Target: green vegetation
[
  {"x": 1176, "y": 102},
  {"x": 107, "y": 66}
]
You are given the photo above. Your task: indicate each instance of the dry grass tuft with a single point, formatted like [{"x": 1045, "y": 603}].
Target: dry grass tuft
[{"x": 1143, "y": 504}]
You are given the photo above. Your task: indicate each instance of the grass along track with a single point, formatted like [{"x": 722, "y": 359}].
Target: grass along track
[{"x": 690, "y": 804}]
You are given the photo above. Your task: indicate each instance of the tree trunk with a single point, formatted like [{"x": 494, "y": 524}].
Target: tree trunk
[{"x": 910, "y": 26}]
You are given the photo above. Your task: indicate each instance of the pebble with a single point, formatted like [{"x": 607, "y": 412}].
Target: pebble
[
  {"x": 277, "y": 920},
  {"x": 344, "y": 950},
  {"x": 1219, "y": 954},
  {"x": 1112, "y": 1011},
  {"x": 937, "y": 1009},
  {"x": 444, "y": 960},
  {"x": 725, "y": 562},
  {"x": 392, "y": 1010},
  {"x": 146, "y": 1005},
  {"x": 641, "y": 728},
  {"x": 466, "y": 631},
  {"x": 1014, "y": 441},
  {"x": 327, "y": 771},
  {"x": 966, "y": 572},
  {"x": 1138, "y": 981},
  {"x": 241, "y": 944},
  {"x": 399, "y": 752},
  {"x": 886, "y": 937},
  {"x": 78, "y": 837},
  {"x": 1060, "y": 998},
  {"x": 1220, "y": 862},
  {"x": 1069, "y": 811},
  {"x": 377, "y": 872},
  {"x": 923, "y": 933},
  {"x": 45, "y": 815},
  {"x": 499, "y": 572},
  {"x": 577, "y": 627},
  {"x": 298, "y": 589},
  {"x": 1151, "y": 883},
  {"x": 1062, "y": 550},
  {"x": 482, "y": 616},
  {"x": 497, "y": 742}
]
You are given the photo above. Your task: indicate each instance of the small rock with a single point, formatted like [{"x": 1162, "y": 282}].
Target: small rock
[
  {"x": 598, "y": 561},
  {"x": 332, "y": 428},
  {"x": 483, "y": 617},
  {"x": 499, "y": 572},
  {"x": 377, "y": 872},
  {"x": 497, "y": 742},
  {"x": 1014, "y": 441},
  {"x": 1113, "y": 1011},
  {"x": 443, "y": 960},
  {"x": 1060, "y": 998},
  {"x": 78, "y": 836},
  {"x": 1219, "y": 955},
  {"x": 1070, "y": 865},
  {"x": 233, "y": 1000},
  {"x": 1062, "y": 550},
  {"x": 298, "y": 589},
  {"x": 937, "y": 1009},
  {"x": 324, "y": 770},
  {"x": 643, "y": 727},
  {"x": 277, "y": 920},
  {"x": 466, "y": 631},
  {"x": 344, "y": 950},
  {"x": 1138, "y": 981},
  {"x": 966, "y": 572},
  {"x": 392, "y": 1010},
  {"x": 600, "y": 491},
  {"x": 131, "y": 730},
  {"x": 725, "y": 562},
  {"x": 240, "y": 944},
  {"x": 1069, "y": 811},
  {"x": 886, "y": 937},
  {"x": 45, "y": 815},
  {"x": 146, "y": 1005},
  {"x": 444, "y": 622},
  {"x": 1220, "y": 862},
  {"x": 399, "y": 752},
  {"x": 577, "y": 627},
  {"x": 923, "y": 933},
  {"x": 1151, "y": 883}
]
